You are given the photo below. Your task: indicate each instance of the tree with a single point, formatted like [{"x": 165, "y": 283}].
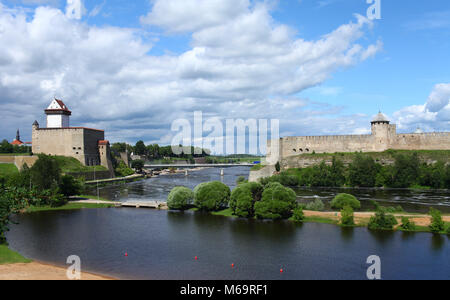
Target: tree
[
  {"x": 406, "y": 170},
  {"x": 407, "y": 224},
  {"x": 382, "y": 221},
  {"x": 180, "y": 198},
  {"x": 140, "y": 148},
  {"x": 342, "y": 200},
  {"x": 363, "y": 171},
  {"x": 278, "y": 167},
  {"x": 298, "y": 215},
  {"x": 45, "y": 173},
  {"x": 6, "y": 147},
  {"x": 437, "y": 224},
  {"x": 316, "y": 205},
  {"x": 244, "y": 197},
  {"x": 212, "y": 196},
  {"x": 70, "y": 186},
  {"x": 138, "y": 165},
  {"x": 277, "y": 202},
  {"x": 337, "y": 177},
  {"x": 347, "y": 216}
]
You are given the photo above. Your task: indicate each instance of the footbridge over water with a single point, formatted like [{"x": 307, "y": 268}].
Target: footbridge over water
[{"x": 193, "y": 166}]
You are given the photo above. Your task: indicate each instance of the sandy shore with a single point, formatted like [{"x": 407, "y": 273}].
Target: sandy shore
[
  {"x": 364, "y": 217},
  {"x": 40, "y": 271}
]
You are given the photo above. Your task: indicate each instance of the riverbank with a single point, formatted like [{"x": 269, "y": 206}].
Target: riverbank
[{"x": 41, "y": 271}]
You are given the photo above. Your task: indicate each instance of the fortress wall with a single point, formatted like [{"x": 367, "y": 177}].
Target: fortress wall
[
  {"x": 423, "y": 141},
  {"x": 326, "y": 144},
  {"x": 80, "y": 143}
]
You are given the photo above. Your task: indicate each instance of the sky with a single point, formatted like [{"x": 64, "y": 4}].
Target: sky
[{"x": 132, "y": 68}]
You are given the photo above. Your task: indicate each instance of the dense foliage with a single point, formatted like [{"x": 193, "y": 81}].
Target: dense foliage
[
  {"x": 407, "y": 171},
  {"x": 407, "y": 224},
  {"x": 7, "y": 148},
  {"x": 347, "y": 216},
  {"x": 244, "y": 197},
  {"x": 316, "y": 205},
  {"x": 180, "y": 198},
  {"x": 382, "y": 221},
  {"x": 298, "y": 215},
  {"x": 343, "y": 200},
  {"x": 437, "y": 224},
  {"x": 212, "y": 196},
  {"x": 277, "y": 202},
  {"x": 122, "y": 170}
]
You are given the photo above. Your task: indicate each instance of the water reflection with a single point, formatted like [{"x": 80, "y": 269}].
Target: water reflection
[{"x": 437, "y": 242}]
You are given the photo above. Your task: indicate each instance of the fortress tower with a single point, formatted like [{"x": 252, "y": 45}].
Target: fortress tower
[
  {"x": 58, "y": 115},
  {"x": 383, "y": 132}
]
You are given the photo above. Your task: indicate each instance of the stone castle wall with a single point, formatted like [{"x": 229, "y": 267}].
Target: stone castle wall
[
  {"x": 81, "y": 143},
  {"x": 383, "y": 137}
]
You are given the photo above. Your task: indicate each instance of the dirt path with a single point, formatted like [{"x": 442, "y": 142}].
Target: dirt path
[
  {"x": 364, "y": 217},
  {"x": 40, "y": 271}
]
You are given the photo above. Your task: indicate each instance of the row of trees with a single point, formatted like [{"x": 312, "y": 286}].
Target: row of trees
[
  {"x": 406, "y": 172},
  {"x": 156, "y": 151},
  {"x": 6, "y": 147}
]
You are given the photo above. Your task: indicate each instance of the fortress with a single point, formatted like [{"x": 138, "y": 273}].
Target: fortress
[
  {"x": 58, "y": 138},
  {"x": 384, "y": 137}
]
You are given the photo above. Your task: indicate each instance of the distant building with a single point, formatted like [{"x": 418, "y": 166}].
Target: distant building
[
  {"x": 384, "y": 136},
  {"x": 58, "y": 138},
  {"x": 18, "y": 142}
]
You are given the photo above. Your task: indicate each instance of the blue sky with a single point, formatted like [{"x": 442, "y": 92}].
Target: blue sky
[{"x": 406, "y": 75}]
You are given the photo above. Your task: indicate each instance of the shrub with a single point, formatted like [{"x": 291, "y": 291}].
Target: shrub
[
  {"x": 407, "y": 224},
  {"x": 347, "y": 216},
  {"x": 298, "y": 215},
  {"x": 278, "y": 166},
  {"x": 45, "y": 173},
  {"x": 212, "y": 196},
  {"x": 241, "y": 180},
  {"x": 277, "y": 202},
  {"x": 437, "y": 224},
  {"x": 138, "y": 165},
  {"x": 243, "y": 199},
  {"x": 316, "y": 205},
  {"x": 123, "y": 170},
  {"x": 57, "y": 200},
  {"x": 448, "y": 230},
  {"x": 70, "y": 186},
  {"x": 342, "y": 200},
  {"x": 382, "y": 221},
  {"x": 180, "y": 198}
]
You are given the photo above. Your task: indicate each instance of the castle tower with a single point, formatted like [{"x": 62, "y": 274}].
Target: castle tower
[
  {"x": 381, "y": 132},
  {"x": 58, "y": 115}
]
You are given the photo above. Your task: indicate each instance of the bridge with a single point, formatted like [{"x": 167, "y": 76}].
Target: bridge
[{"x": 193, "y": 166}]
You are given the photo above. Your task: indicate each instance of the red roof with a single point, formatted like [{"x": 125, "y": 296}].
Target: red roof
[
  {"x": 62, "y": 106},
  {"x": 104, "y": 143},
  {"x": 16, "y": 142}
]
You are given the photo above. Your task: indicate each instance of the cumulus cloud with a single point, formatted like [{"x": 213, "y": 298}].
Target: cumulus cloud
[
  {"x": 241, "y": 64},
  {"x": 434, "y": 115}
]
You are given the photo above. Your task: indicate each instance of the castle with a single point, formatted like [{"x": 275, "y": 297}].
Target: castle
[
  {"x": 58, "y": 138},
  {"x": 384, "y": 136}
]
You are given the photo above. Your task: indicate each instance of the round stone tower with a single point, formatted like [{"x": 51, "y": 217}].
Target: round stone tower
[{"x": 381, "y": 132}]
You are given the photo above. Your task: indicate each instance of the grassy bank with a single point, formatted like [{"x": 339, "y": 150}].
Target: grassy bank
[
  {"x": 72, "y": 165},
  {"x": 69, "y": 206},
  {"x": 8, "y": 169},
  {"x": 7, "y": 256}
]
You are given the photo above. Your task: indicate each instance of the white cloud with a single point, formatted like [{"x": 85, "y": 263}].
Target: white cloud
[
  {"x": 434, "y": 115},
  {"x": 241, "y": 64},
  {"x": 75, "y": 9}
]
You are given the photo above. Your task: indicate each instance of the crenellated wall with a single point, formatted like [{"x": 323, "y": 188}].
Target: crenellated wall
[{"x": 384, "y": 136}]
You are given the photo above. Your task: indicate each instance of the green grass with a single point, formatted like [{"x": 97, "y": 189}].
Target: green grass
[
  {"x": 437, "y": 155},
  {"x": 15, "y": 154},
  {"x": 69, "y": 206},
  {"x": 320, "y": 220},
  {"x": 73, "y": 165},
  {"x": 225, "y": 213},
  {"x": 8, "y": 169},
  {"x": 257, "y": 167},
  {"x": 7, "y": 256}
]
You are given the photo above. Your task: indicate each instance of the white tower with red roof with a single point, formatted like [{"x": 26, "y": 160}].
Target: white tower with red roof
[{"x": 58, "y": 115}]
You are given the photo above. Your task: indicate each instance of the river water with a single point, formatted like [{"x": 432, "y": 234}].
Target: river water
[{"x": 162, "y": 244}]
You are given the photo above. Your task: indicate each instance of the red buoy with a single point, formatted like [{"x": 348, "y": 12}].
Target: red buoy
[
  {"x": 232, "y": 265},
  {"x": 126, "y": 254},
  {"x": 281, "y": 270},
  {"x": 196, "y": 258}
]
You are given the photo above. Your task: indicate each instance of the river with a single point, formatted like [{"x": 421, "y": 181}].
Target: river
[{"x": 162, "y": 244}]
